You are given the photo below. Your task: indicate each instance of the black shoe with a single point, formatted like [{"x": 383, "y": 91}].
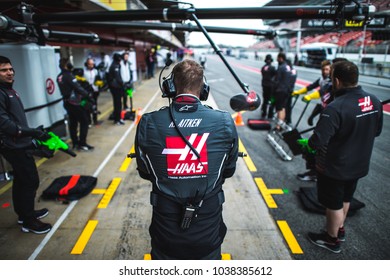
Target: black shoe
[
  {"x": 308, "y": 176},
  {"x": 120, "y": 122},
  {"x": 86, "y": 147},
  {"x": 341, "y": 234},
  {"x": 38, "y": 214},
  {"x": 324, "y": 240},
  {"x": 36, "y": 226}
]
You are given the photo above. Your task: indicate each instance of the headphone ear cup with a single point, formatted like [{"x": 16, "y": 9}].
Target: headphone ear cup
[
  {"x": 205, "y": 92},
  {"x": 168, "y": 86}
]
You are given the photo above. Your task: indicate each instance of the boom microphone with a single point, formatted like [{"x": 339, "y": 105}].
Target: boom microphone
[{"x": 245, "y": 101}]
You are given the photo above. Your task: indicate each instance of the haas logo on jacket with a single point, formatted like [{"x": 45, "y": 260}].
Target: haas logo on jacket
[
  {"x": 366, "y": 104},
  {"x": 181, "y": 161}
]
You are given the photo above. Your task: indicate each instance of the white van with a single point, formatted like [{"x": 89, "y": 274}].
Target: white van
[{"x": 313, "y": 54}]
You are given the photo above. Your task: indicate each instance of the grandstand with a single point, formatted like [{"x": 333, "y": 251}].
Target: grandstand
[
  {"x": 343, "y": 38},
  {"x": 353, "y": 40}
]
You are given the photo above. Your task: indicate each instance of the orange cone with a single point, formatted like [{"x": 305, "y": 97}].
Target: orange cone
[
  {"x": 139, "y": 115},
  {"x": 238, "y": 120}
]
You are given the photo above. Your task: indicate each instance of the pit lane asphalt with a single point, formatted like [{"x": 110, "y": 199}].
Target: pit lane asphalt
[
  {"x": 112, "y": 222},
  {"x": 367, "y": 226}
]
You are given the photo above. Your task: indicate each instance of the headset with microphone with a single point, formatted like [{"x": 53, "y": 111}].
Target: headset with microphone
[
  {"x": 168, "y": 90},
  {"x": 168, "y": 87}
]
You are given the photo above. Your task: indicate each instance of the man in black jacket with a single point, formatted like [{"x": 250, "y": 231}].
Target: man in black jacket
[
  {"x": 282, "y": 89},
  {"x": 343, "y": 140},
  {"x": 187, "y": 150},
  {"x": 268, "y": 72},
  {"x": 324, "y": 92},
  {"x": 16, "y": 144},
  {"x": 115, "y": 83},
  {"x": 74, "y": 97},
  {"x": 293, "y": 79}
]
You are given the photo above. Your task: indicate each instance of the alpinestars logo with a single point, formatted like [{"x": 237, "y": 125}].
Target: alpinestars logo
[
  {"x": 366, "y": 104},
  {"x": 181, "y": 161}
]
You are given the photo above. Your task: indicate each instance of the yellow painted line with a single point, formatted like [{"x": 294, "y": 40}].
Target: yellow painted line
[
  {"x": 109, "y": 193},
  {"x": 289, "y": 237},
  {"x": 41, "y": 161},
  {"x": 249, "y": 163},
  {"x": 225, "y": 257},
  {"x": 99, "y": 191},
  {"x": 84, "y": 237},
  {"x": 102, "y": 115},
  {"x": 267, "y": 193},
  {"x": 275, "y": 191},
  {"x": 127, "y": 161},
  {"x": 5, "y": 188}
]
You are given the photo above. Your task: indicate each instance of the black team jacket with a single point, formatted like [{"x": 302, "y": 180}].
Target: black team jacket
[
  {"x": 179, "y": 177},
  {"x": 344, "y": 135}
]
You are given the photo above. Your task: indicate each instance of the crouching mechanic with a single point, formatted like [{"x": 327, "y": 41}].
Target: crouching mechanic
[
  {"x": 343, "y": 139},
  {"x": 186, "y": 150}
]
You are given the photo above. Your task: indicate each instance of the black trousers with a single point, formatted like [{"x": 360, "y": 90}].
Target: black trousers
[
  {"x": 125, "y": 98},
  {"x": 267, "y": 93},
  {"x": 157, "y": 254},
  {"x": 77, "y": 115},
  {"x": 117, "y": 94},
  {"x": 288, "y": 109},
  {"x": 95, "y": 110},
  {"x": 25, "y": 181},
  {"x": 310, "y": 161}
]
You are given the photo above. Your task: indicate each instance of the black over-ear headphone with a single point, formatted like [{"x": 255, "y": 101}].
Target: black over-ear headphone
[{"x": 169, "y": 89}]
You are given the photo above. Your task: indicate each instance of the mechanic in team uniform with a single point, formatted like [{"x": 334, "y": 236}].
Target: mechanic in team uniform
[
  {"x": 282, "y": 89},
  {"x": 293, "y": 79},
  {"x": 343, "y": 139},
  {"x": 16, "y": 145},
  {"x": 186, "y": 150},
  {"x": 323, "y": 93},
  {"x": 268, "y": 72},
  {"x": 73, "y": 95}
]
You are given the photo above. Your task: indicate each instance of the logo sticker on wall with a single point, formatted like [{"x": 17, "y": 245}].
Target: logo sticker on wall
[{"x": 50, "y": 86}]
